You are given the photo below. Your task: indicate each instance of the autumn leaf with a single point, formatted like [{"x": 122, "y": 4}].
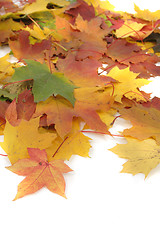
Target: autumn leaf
[
  {"x": 75, "y": 67},
  {"x": 39, "y": 173},
  {"x": 22, "y": 49},
  {"x": 17, "y": 139},
  {"x": 41, "y": 5},
  {"x": 22, "y": 109},
  {"x": 127, "y": 84},
  {"x": 126, "y": 52},
  {"x": 59, "y": 112},
  {"x": 142, "y": 156},
  {"x": 45, "y": 83},
  {"x": 82, "y": 8},
  {"x": 146, "y": 14},
  {"x": 3, "y": 107},
  {"x": 129, "y": 29},
  {"x": 6, "y": 68},
  {"x": 7, "y": 29},
  {"x": 88, "y": 102},
  {"x": 145, "y": 121},
  {"x": 75, "y": 143},
  {"x": 102, "y": 4},
  {"x": 82, "y": 73}
]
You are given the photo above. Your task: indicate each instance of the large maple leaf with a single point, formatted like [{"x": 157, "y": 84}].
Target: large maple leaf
[
  {"x": 142, "y": 156},
  {"x": 39, "y": 173}
]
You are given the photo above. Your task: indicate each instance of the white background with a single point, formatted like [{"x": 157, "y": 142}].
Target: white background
[{"x": 102, "y": 203}]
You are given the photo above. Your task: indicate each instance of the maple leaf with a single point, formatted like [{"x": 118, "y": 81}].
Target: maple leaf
[
  {"x": 82, "y": 8},
  {"x": 45, "y": 83},
  {"x": 6, "y": 68},
  {"x": 11, "y": 114},
  {"x": 107, "y": 117},
  {"x": 59, "y": 112},
  {"x": 25, "y": 105},
  {"x": 22, "y": 48},
  {"x": 82, "y": 73},
  {"x": 75, "y": 143},
  {"x": 148, "y": 68},
  {"x": 145, "y": 121},
  {"x": 92, "y": 45},
  {"x": 63, "y": 28},
  {"x": 42, "y": 5},
  {"x": 88, "y": 102},
  {"x": 128, "y": 84},
  {"x": 39, "y": 173},
  {"x": 64, "y": 90},
  {"x": 146, "y": 14},
  {"x": 142, "y": 156},
  {"x": 129, "y": 28},
  {"x": 7, "y": 29},
  {"x": 17, "y": 139},
  {"x": 126, "y": 52},
  {"x": 23, "y": 109}
]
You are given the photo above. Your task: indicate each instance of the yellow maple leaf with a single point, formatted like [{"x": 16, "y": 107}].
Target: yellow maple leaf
[
  {"x": 18, "y": 139},
  {"x": 35, "y": 32},
  {"x": 41, "y": 5},
  {"x": 75, "y": 143},
  {"x": 127, "y": 84},
  {"x": 107, "y": 117},
  {"x": 146, "y": 14},
  {"x": 129, "y": 28},
  {"x": 142, "y": 156}
]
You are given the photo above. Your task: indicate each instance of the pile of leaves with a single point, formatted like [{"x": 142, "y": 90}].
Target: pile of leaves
[{"x": 74, "y": 68}]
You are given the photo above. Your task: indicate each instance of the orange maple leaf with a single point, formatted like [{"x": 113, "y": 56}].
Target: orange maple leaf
[{"x": 39, "y": 173}]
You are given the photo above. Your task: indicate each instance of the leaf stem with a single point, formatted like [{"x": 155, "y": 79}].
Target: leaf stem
[
  {"x": 33, "y": 21},
  {"x": 85, "y": 131},
  {"x": 114, "y": 135},
  {"x": 59, "y": 45},
  {"x": 59, "y": 147},
  {"x": 4, "y": 155}
]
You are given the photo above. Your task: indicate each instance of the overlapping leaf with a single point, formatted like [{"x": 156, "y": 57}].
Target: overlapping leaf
[{"x": 80, "y": 65}]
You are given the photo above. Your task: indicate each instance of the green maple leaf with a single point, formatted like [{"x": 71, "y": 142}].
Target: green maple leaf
[{"x": 45, "y": 83}]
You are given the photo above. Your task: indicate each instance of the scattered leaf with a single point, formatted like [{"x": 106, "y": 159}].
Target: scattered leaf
[{"x": 39, "y": 173}]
